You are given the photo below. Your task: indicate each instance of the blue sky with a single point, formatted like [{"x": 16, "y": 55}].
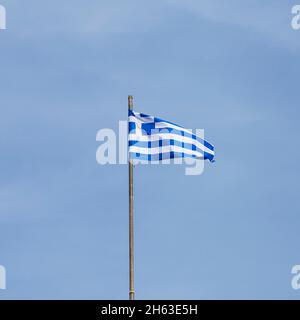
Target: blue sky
[{"x": 66, "y": 68}]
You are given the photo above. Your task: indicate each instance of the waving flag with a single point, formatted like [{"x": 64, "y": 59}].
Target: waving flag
[{"x": 154, "y": 139}]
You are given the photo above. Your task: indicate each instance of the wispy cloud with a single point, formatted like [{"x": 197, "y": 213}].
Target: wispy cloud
[
  {"x": 59, "y": 18},
  {"x": 268, "y": 18}
]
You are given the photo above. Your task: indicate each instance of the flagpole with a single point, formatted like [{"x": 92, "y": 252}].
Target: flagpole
[{"x": 131, "y": 247}]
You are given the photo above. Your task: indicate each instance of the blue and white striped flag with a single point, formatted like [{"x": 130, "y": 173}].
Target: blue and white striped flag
[{"x": 154, "y": 139}]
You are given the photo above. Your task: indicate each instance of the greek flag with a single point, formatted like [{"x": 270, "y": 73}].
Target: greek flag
[{"x": 153, "y": 139}]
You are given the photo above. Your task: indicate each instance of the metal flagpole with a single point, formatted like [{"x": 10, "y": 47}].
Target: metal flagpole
[{"x": 131, "y": 251}]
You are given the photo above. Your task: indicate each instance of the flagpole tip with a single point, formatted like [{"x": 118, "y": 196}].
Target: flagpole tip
[{"x": 130, "y": 102}]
